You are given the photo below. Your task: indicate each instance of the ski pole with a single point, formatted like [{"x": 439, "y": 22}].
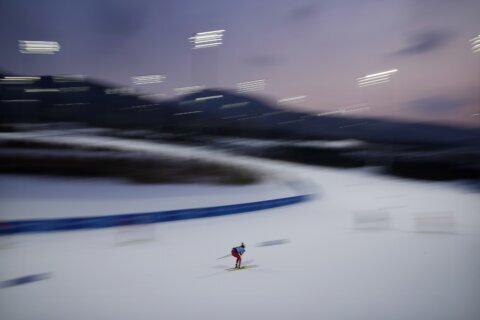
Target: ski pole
[{"x": 224, "y": 257}]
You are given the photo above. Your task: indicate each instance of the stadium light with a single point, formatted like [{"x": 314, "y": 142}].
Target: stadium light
[
  {"x": 207, "y": 39},
  {"x": 375, "y": 78},
  {"x": 38, "y": 47},
  {"x": 255, "y": 85},
  {"x": 18, "y": 80},
  {"x": 187, "y": 90},
  {"x": 292, "y": 99},
  {"x": 475, "y": 44},
  {"x": 148, "y": 79}
]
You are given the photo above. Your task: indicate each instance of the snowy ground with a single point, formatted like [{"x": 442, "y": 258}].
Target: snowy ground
[
  {"x": 23, "y": 197},
  {"x": 368, "y": 247}
]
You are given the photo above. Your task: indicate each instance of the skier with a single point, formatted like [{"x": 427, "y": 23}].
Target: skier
[{"x": 237, "y": 253}]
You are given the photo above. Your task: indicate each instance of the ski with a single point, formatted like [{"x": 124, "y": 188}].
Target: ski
[{"x": 241, "y": 268}]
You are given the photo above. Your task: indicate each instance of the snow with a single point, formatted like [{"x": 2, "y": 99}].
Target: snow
[
  {"x": 23, "y": 197},
  {"x": 368, "y": 247}
]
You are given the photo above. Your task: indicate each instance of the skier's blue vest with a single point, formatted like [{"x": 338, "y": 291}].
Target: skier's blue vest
[{"x": 240, "y": 250}]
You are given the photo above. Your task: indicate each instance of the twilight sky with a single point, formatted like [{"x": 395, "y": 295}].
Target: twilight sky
[{"x": 306, "y": 48}]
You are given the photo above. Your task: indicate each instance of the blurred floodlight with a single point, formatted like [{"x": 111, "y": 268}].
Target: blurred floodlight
[
  {"x": 373, "y": 75},
  {"x": 209, "y": 98},
  {"x": 187, "y": 90},
  {"x": 21, "y": 78},
  {"x": 38, "y": 47},
  {"x": 348, "y": 109},
  {"x": 187, "y": 113},
  {"x": 18, "y": 80},
  {"x": 207, "y": 39},
  {"x": 35, "y": 90},
  {"x": 20, "y": 100},
  {"x": 475, "y": 44},
  {"x": 355, "y": 108},
  {"x": 376, "y": 78},
  {"x": 292, "y": 99},
  {"x": 255, "y": 85},
  {"x": 148, "y": 79},
  {"x": 234, "y": 105}
]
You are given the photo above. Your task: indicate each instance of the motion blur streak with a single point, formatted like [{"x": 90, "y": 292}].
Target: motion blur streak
[
  {"x": 38, "y": 47},
  {"x": 376, "y": 78}
]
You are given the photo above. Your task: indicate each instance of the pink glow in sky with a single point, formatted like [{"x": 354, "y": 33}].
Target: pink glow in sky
[{"x": 315, "y": 49}]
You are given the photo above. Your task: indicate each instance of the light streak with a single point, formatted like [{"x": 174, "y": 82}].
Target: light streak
[
  {"x": 475, "y": 44},
  {"x": 21, "y": 100},
  {"x": 18, "y": 80},
  {"x": 209, "y": 98},
  {"x": 234, "y": 105},
  {"x": 207, "y": 39},
  {"x": 41, "y": 90},
  {"x": 381, "y": 73},
  {"x": 255, "y": 85},
  {"x": 186, "y": 113},
  {"x": 148, "y": 79},
  {"x": 376, "y": 78},
  {"x": 291, "y": 99},
  {"x": 38, "y": 47},
  {"x": 187, "y": 90}
]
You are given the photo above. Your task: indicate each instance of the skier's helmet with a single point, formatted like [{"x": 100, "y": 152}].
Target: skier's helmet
[{"x": 243, "y": 245}]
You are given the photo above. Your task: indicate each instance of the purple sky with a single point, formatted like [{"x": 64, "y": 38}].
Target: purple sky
[{"x": 312, "y": 48}]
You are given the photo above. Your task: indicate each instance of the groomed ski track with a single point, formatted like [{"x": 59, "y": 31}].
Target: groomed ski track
[{"x": 370, "y": 247}]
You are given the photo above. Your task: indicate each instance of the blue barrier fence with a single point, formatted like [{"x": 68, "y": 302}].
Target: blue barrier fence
[{"x": 62, "y": 224}]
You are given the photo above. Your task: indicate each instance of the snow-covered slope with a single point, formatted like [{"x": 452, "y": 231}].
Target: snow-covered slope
[
  {"x": 24, "y": 197},
  {"x": 370, "y": 247}
]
